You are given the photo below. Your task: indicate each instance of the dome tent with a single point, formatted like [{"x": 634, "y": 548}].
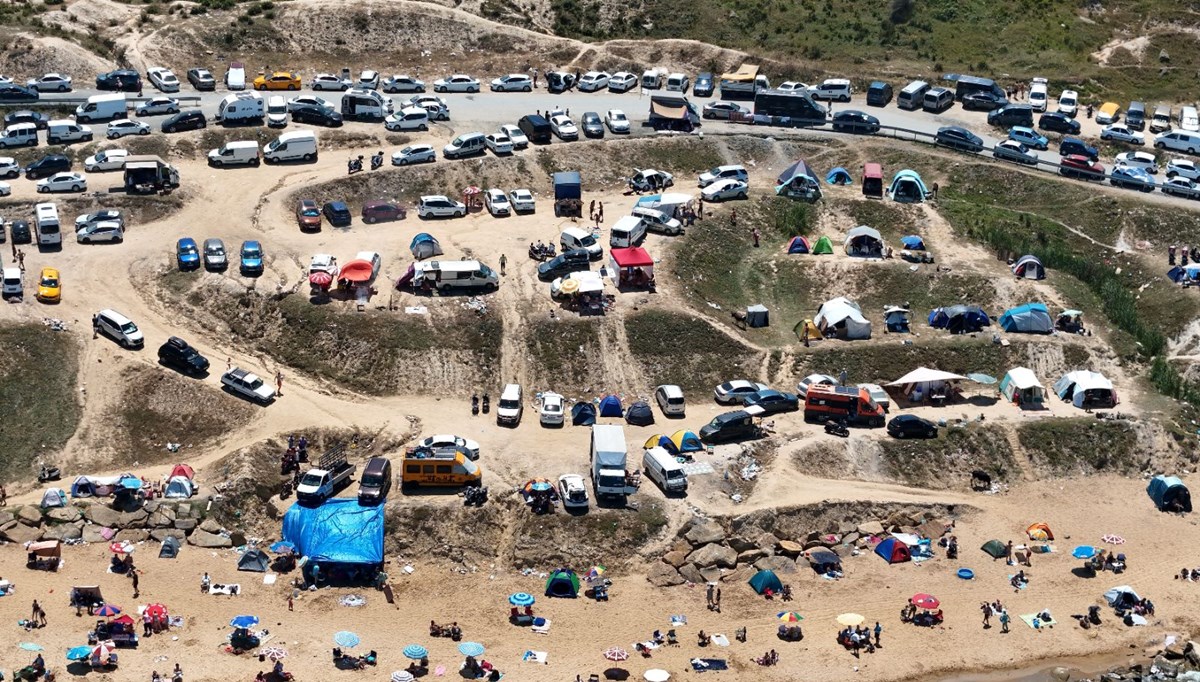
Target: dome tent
[
  {"x": 685, "y": 441},
  {"x": 1169, "y": 493},
  {"x": 1086, "y": 389},
  {"x": 822, "y": 247},
  {"x": 959, "y": 319},
  {"x": 994, "y": 548},
  {"x": 54, "y": 497},
  {"x": 839, "y": 176},
  {"x": 1029, "y": 267},
  {"x": 893, "y": 551},
  {"x": 1040, "y": 532},
  {"x": 842, "y": 318},
  {"x": 1031, "y": 318},
  {"x": 562, "y": 583},
  {"x": 913, "y": 242},
  {"x": 254, "y": 560},
  {"x": 610, "y": 406},
  {"x": 184, "y": 470},
  {"x": 1021, "y": 386},
  {"x": 799, "y": 245},
  {"x": 583, "y": 414},
  {"x": 170, "y": 548},
  {"x": 639, "y": 414},
  {"x": 865, "y": 242},
  {"x": 179, "y": 488},
  {"x": 766, "y": 580},
  {"x": 425, "y": 245},
  {"x": 908, "y": 187}
]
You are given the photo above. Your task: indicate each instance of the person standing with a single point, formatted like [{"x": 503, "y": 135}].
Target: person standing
[
  {"x": 592, "y": 210},
  {"x": 599, "y": 213},
  {"x": 1004, "y": 621},
  {"x": 133, "y": 575},
  {"x": 717, "y": 603},
  {"x": 754, "y": 233},
  {"x": 503, "y": 263},
  {"x": 3, "y": 497},
  {"x": 33, "y": 611},
  {"x": 700, "y": 208},
  {"x": 987, "y": 615},
  {"x": 1171, "y": 255},
  {"x": 733, "y": 217},
  {"x": 290, "y": 603},
  {"x": 279, "y": 383},
  {"x": 878, "y": 631},
  {"x": 1008, "y": 553},
  {"x": 708, "y": 598}
]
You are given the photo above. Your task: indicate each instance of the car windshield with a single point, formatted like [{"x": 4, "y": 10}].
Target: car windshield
[
  {"x": 509, "y": 404},
  {"x": 1068, "y": 100},
  {"x": 551, "y": 407},
  {"x": 187, "y": 248},
  {"x": 49, "y": 281},
  {"x": 215, "y": 250},
  {"x": 253, "y": 385},
  {"x": 251, "y": 252},
  {"x": 618, "y": 116},
  {"x": 311, "y": 213},
  {"x": 588, "y": 241},
  {"x": 129, "y": 328}
]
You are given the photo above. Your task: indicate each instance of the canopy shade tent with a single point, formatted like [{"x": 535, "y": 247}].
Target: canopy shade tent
[
  {"x": 610, "y": 406},
  {"x": 959, "y": 319},
  {"x": 893, "y": 551},
  {"x": 1169, "y": 493},
  {"x": 839, "y": 176},
  {"x": 1070, "y": 321},
  {"x": 583, "y": 414},
  {"x": 896, "y": 319},
  {"x": 1086, "y": 389},
  {"x": 356, "y": 271},
  {"x": 823, "y": 246},
  {"x": 864, "y": 242},
  {"x": 630, "y": 266},
  {"x": 1029, "y": 267},
  {"x": 798, "y": 181},
  {"x": 842, "y": 318},
  {"x": 1021, "y": 386},
  {"x": 1122, "y": 596},
  {"x": 913, "y": 242},
  {"x": 907, "y": 187},
  {"x": 338, "y": 531},
  {"x": 766, "y": 580},
  {"x": 639, "y": 414},
  {"x": 1031, "y": 318},
  {"x": 925, "y": 375},
  {"x": 798, "y": 244},
  {"x": 425, "y": 245}
]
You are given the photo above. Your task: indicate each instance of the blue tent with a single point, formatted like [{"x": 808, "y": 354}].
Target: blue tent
[
  {"x": 766, "y": 580},
  {"x": 1031, "y": 318},
  {"x": 83, "y": 487},
  {"x": 338, "y": 531},
  {"x": 799, "y": 245},
  {"x": 893, "y": 551},
  {"x": 908, "y": 187},
  {"x": 913, "y": 243},
  {"x": 639, "y": 414},
  {"x": 610, "y": 406},
  {"x": 425, "y": 245},
  {"x": 959, "y": 319},
  {"x": 838, "y": 176},
  {"x": 1169, "y": 493},
  {"x": 583, "y": 414}
]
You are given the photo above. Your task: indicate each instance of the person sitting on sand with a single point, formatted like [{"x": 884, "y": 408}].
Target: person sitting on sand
[
  {"x": 938, "y": 617},
  {"x": 703, "y": 639},
  {"x": 155, "y": 677},
  {"x": 261, "y": 677},
  {"x": 177, "y": 674},
  {"x": 1018, "y": 581}
]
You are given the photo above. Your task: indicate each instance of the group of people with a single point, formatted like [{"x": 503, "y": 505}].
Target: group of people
[
  {"x": 920, "y": 617},
  {"x": 1184, "y": 252},
  {"x": 452, "y": 631},
  {"x": 859, "y": 637},
  {"x": 176, "y": 675},
  {"x": 994, "y": 608},
  {"x": 769, "y": 658},
  {"x": 473, "y": 669},
  {"x": 1107, "y": 561}
]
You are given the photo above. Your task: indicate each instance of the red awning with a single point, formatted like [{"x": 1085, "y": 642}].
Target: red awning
[
  {"x": 356, "y": 271},
  {"x": 635, "y": 257}
]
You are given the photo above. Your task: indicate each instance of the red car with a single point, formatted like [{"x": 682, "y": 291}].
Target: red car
[
  {"x": 1079, "y": 166},
  {"x": 308, "y": 215},
  {"x": 375, "y": 211}
]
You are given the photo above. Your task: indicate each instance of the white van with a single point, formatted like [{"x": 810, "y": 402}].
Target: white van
[
  {"x": 236, "y": 153},
  {"x": 912, "y": 97},
  {"x": 66, "y": 131},
  {"x": 13, "y": 285},
  {"x": 447, "y": 274},
  {"x": 1038, "y": 95},
  {"x": 118, "y": 328},
  {"x": 366, "y": 105},
  {"x": 575, "y": 238},
  {"x": 235, "y": 76},
  {"x": 832, "y": 89},
  {"x": 511, "y": 406},
  {"x": 664, "y": 470},
  {"x": 19, "y": 135},
  {"x": 652, "y": 80},
  {"x": 277, "y": 113},
  {"x": 101, "y": 107},
  {"x": 298, "y": 144},
  {"x": 1188, "y": 119},
  {"x": 626, "y": 232},
  {"x": 670, "y": 400},
  {"x": 1179, "y": 140},
  {"x": 657, "y": 221},
  {"x": 678, "y": 82},
  {"x": 374, "y": 259},
  {"x": 467, "y": 144},
  {"x": 49, "y": 231}
]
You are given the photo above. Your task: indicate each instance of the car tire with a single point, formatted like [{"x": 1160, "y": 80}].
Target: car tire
[
  {"x": 1159, "y": 145},
  {"x": 402, "y": 162},
  {"x": 444, "y": 287},
  {"x": 43, "y": 190},
  {"x": 144, "y": 132},
  {"x": 473, "y": 90},
  {"x": 308, "y": 157},
  {"x": 460, "y": 213},
  {"x": 489, "y": 287},
  {"x": 76, "y": 188},
  {"x": 85, "y": 240},
  {"x": 527, "y": 88}
]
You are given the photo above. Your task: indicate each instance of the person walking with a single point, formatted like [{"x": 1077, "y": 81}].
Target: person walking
[
  {"x": 878, "y": 631},
  {"x": 592, "y": 210},
  {"x": 708, "y": 597},
  {"x": 279, "y": 383},
  {"x": 290, "y": 603},
  {"x": 133, "y": 575},
  {"x": 987, "y": 615},
  {"x": 733, "y": 217},
  {"x": 1004, "y": 621},
  {"x": 21, "y": 260},
  {"x": 700, "y": 208},
  {"x": 599, "y": 213},
  {"x": 503, "y": 263},
  {"x": 754, "y": 233},
  {"x": 717, "y": 603}
]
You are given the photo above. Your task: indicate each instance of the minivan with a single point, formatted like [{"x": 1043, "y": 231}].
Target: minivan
[
  {"x": 670, "y": 400},
  {"x": 19, "y": 135},
  {"x": 937, "y": 100},
  {"x": 277, "y": 113},
  {"x": 842, "y": 403},
  {"x": 1179, "y": 140},
  {"x": 296, "y": 145},
  {"x": 626, "y": 232},
  {"x": 236, "y": 153},
  {"x": 536, "y": 128},
  {"x": 49, "y": 230},
  {"x": 510, "y": 407},
  {"x": 651, "y": 80},
  {"x": 660, "y": 467},
  {"x": 1011, "y": 115},
  {"x": 1161, "y": 121},
  {"x": 678, "y": 82},
  {"x": 575, "y": 238},
  {"x": 467, "y": 144},
  {"x": 879, "y": 94},
  {"x": 1135, "y": 116},
  {"x": 376, "y": 481},
  {"x": 14, "y": 284},
  {"x": 729, "y": 426},
  {"x": 913, "y": 95},
  {"x": 117, "y": 327}
]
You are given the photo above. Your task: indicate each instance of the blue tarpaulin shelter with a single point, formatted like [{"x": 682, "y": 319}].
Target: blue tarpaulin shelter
[
  {"x": 908, "y": 187},
  {"x": 1031, "y": 318},
  {"x": 913, "y": 242},
  {"x": 1178, "y": 274},
  {"x": 610, "y": 406},
  {"x": 839, "y": 176},
  {"x": 1169, "y": 492},
  {"x": 338, "y": 531}
]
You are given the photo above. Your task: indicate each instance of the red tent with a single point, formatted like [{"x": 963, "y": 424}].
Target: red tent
[
  {"x": 356, "y": 271},
  {"x": 893, "y": 551},
  {"x": 635, "y": 257},
  {"x": 182, "y": 470}
]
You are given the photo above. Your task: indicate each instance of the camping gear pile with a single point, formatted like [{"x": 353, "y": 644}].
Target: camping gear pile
[{"x": 540, "y": 495}]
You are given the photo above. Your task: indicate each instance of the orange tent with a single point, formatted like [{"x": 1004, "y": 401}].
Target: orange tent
[{"x": 1039, "y": 531}]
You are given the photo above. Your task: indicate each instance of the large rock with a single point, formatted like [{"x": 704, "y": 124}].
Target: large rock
[
  {"x": 779, "y": 564},
  {"x": 870, "y": 528},
  {"x": 64, "y": 514},
  {"x": 692, "y": 574},
  {"x": 102, "y": 515},
  {"x": 675, "y": 558},
  {"x": 6, "y": 518},
  {"x": 713, "y": 554},
  {"x": 739, "y": 575},
  {"x": 21, "y": 534},
  {"x": 185, "y": 524},
  {"x": 902, "y": 518},
  {"x": 711, "y": 574},
  {"x": 740, "y": 544},
  {"x": 30, "y": 516},
  {"x": 203, "y": 538},
  {"x": 93, "y": 533},
  {"x": 662, "y": 575},
  {"x": 134, "y": 535},
  {"x": 151, "y": 506},
  {"x": 210, "y": 526},
  {"x": 161, "y": 534},
  {"x": 850, "y": 538},
  {"x": 134, "y": 519},
  {"x": 768, "y": 542},
  {"x": 161, "y": 518},
  {"x": 63, "y": 531},
  {"x": 704, "y": 531},
  {"x": 751, "y": 555}
]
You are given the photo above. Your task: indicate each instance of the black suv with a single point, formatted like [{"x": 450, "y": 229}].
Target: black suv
[
  {"x": 37, "y": 118},
  {"x": 21, "y": 234},
  {"x": 729, "y": 426},
  {"x": 193, "y": 119},
  {"x": 1058, "y": 122},
  {"x": 337, "y": 213},
  {"x": 908, "y": 425},
  {"x": 11, "y": 92},
  {"x": 958, "y": 138},
  {"x": 121, "y": 80},
  {"x": 567, "y": 261},
  {"x": 852, "y": 121},
  {"x": 317, "y": 115},
  {"x": 178, "y": 354},
  {"x": 47, "y": 165},
  {"x": 201, "y": 79}
]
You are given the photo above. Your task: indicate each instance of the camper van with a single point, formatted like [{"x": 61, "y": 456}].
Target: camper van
[
  {"x": 851, "y": 404},
  {"x": 297, "y": 145},
  {"x": 912, "y": 97},
  {"x": 235, "y": 76},
  {"x": 241, "y": 107},
  {"x": 444, "y": 275},
  {"x": 664, "y": 470},
  {"x": 438, "y": 467},
  {"x": 49, "y": 232},
  {"x": 237, "y": 153},
  {"x": 101, "y": 107},
  {"x": 627, "y": 232},
  {"x": 365, "y": 105}
]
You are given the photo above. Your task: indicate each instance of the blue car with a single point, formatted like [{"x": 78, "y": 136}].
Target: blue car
[
  {"x": 1029, "y": 137},
  {"x": 1074, "y": 145},
  {"x": 772, "y": 401},
  {"x": 252, "y": 258},
  {"x": 1133, "y": 178},
  {"x": 187, "y": 254}
]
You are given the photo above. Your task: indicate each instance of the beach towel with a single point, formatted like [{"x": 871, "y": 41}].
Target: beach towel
[
  {"x": 702, "y": 664},
  {"x": 175, "y": 621},
  {"x": 232, "y": 590},
  {"x": 439, "y": 671},
  {"x": 720, "y": 640},
  {"x": 676, "y": 621},
  {"x": 532, "y": 656},
  {"x": 648, "y": 644},
  {"x": 353, "y": 600},
  {"x": 542, "y": 627},
  {"x": 1030, "y": 617},
  {"x": 269, "y": 579}
]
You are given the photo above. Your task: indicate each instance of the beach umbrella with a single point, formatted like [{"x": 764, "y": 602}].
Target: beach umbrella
[
  {"x": 156, "y": 611},
  {"x": 415, "y": 651},
  {"x": 470, "y": 649},
  {"x": 30, "y": 646},
  {"x": 596, "y": 573},
  {"x": 321, "y": 279},
  {"x": 284, "y": 546},
  {"x": 101, "y": 651},
  {"x": 274, "y": 653},
  {"x": 402, "y": 676},
  {"x": 521, "y": 599},
  {"x": 656, "y": 675},
  {"x": 850, "y": 619},
  {"x": 616, "y": 674},
  {"x": 472, "y": 191},
  {"x": 1084, "y": 552},
  {"x": 616, "y": 654},
  {"x": 926, "y": 601},
  {"x": 78, "y": 653},
  {"x": 120, "y": 548},
  {"x": 789, "y": 616},
  {"x": 981, "y": 378},
  {"x": 108, "y": 611},
  {"x": 243, "y": 621},
  {"x": 569, "y": 286},
  {"x": 346, "y": 638}
]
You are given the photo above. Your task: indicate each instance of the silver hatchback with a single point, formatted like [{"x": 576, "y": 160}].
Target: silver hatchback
[{"x": 215, "y": 257}]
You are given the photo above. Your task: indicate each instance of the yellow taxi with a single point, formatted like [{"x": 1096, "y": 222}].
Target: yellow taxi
[
  {"x": 280, "y": 80},
  {"x": 49, "y": 288},
  {"x": 1109, "y": 113}
]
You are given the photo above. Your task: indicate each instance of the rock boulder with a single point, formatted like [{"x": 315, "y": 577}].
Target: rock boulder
[
  {"x": 63, "y": 531},
  {"x": 779, "y": 564},
  {"x": 741, "y": 544},
  {"x": 691, "y": 574},
  {"x": 20, "y": 534},
  {"x": 713, "y": 554},
  {"x": 210, "y": 526},
  {"x": 64, "y": 514},
  {"x": 675, "y": 558},
  {"x": 161, "y": 534},
  {"x": 203, "y": 538},
  {"x": 132, "y": 535},
  {"x": 663, "y": 575},
  {"x": 704, "y": 531},
  {"x": 751, "y": 555},
  {"x": 30, "y": 516},
  {"x": 185, "y": 524},
  {"x": 870, "y": 528},
  {"x": 134, "y": 519},
  {"x": 103, "y": 516},
  {"x": 92, "y": 533},
  {"x": 768, "y": 542}
]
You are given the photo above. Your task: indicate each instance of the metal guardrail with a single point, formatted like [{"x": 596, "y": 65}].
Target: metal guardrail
[{"x": 75, "y": 101}]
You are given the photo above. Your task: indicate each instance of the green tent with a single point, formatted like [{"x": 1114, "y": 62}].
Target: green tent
[
  {"x": 994, "y": 548},
  {"x": 562, "y": 583},
  {"x": 766, "y": 580},
  {"x": 823, "y": 246}
]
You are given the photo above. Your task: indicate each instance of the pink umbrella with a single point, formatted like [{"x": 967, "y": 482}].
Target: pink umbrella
[
  {"x": 616, "y": 654},
  {"x": 926, "y": 601}
]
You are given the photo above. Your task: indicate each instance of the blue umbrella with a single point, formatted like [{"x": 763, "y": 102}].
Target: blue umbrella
[
  {"x": 521, "y": 599},
  {"x": 283, "y": 546},
  {"x": 244, "y": 621},
  {"x": 108, "y": 611},
  {"x": 79, "y": 653},
  {"x": 542, "y": 486},
  {"x": 30, "y": 646},
  {"x": 1084, "y": 552},
  {"x": 131, "y": 483},
  {"x": 415, "y": 651},
  {"x": 470, "y": 649},
  {"x": 346, "y": 639}
]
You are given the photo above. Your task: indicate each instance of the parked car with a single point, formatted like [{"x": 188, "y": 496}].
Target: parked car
[
  {"x": 251, "y": 258},
  {"x": 279, "y": 80},
  {"x": 119, "y": 328},
  {"x": 187, "y": 254},
  {"x": 616, "y": 121},
  {"x": 1068, "y": 103},
  {"x": 49, "y": 288},
  {"x": 50, "y": 82},
  {"x": 958, "y": 138},
  {"x": 723, "y": 110},
  {"x": 911, "y": 426},
  {"x": 380, "y": 210},
  {"x": 215, "y": 257},
  {"x": 852, "y": 121},
  {"x": 106, "y": 215},
  {"x": 622, "y": 81},
  {"x": 513, "y": 82},
  {"x": 590, "y": 278},
  {"x": 1181, "y": 187},
  {"x": 771, "y": 401},
  {"x": 1121, "y": 133},
  {"x": 121, "y": 80},
  {"x": 593, "y": 81},
  {"x": 401, "y": 83},
  {"x": 1131, "y": 177},
  {"x": 88, "y": 234},
  {"x": 733, "y": 392},
  {"x": 650, "y": 180},
  {"x": 408, "y": 118},
  {"x": 337, "y": 213},
  {"x": 443, "y": 440},
  {"x": 591, "y": 124},
  {"x": 1029, "y": 137},
  {"x": 1011, "y": 150},
  {"x": 497, "y": 202},
  {"x": 38, "y": 119},
  {"x": 414, "y": 153},
  {"x": 1076, "y": 166},
  {"x": 726, "y": 188},
  {"x": 157, "y": 106},
  {"x": 308, "y": 215},
  {"x": 572, "y": 491},
  {"x": 124, "y": 126},
  {"x": 793, "y": 86},
  {"x": 247, "y": 385},
  {"x": 567, "y": 261},
  {"x": 317, "y": 116},
  {"x": 456, "y": 83},
  {"x": 192, "y": 119},
  {"x": 20, "y": 232},
  {"x": 438, "y": 206},
  {"x": 1073, "y": 145},
  {"x": 9, "y": 168},
  {"x": 564, "y": 127},
  {"x": 201, "y": 79},
  {"x": 515, "y": 135},
  {"x": 11, "y": 93},
  {"x": 46, "y": 166},
  {"x": 983, "y": 101},
  {"x": 309, "y": 101},
  {"x": 1183, "y": 168},
  {"x": 179, "y": 354},
  {"x": 1143, "y": 160},
  {"x": 62, "y": 182},
  {"x": 498, "y": 143},
  {"x": 1058, "y": 122},
  {"x": 368, "y": 80}
]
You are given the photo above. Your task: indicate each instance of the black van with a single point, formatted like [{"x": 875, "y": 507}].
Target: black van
[
  {"x": 536, "y": 128},
  {"x": 729, "y": 426},
  {"x": 1135, "y": 116},
  {"x": 879, "y": 94},
  {"x": 1011, "y": 115},
  {"x": 376, "y": 481}
]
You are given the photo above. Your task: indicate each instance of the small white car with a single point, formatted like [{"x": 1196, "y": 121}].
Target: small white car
[
  {"x": 408, "y": 118},
  {"x": 732, "y": 392},
  {"x": 444, "y": 440},
  {"x": 1037, "y": 94},
  {"x": 9, "y": 168},
  {"x": 1143, "y": 160},
  {"x": 593, "y": 81},
  {"x": 513, "y": 82},
  {"x": 456, "y": 83},
  {"x": 51, "y": 82},
  {"x": 328, "y": 81},
  {"x": 562, "y": 126},
  {"x": 62, "y": 182},
  {"x": 422, "y": 100},
  {"x": 551, "y": 411},
  {"x": 498, "y": 143},
  {"x": 436, "y": 112},
  {"x": 158, "y": 106},
  {"x": 5, "y": 80},
  {"x": 522, "y": 201},
  {"x": 588, "y": 280},
  {"x": 1122, "y": 133},
  {"x": 163, "y": 79},
  {"x": 1183, "y": 168},
  {"x": 793, "y": 86},
  {"x": 572, "y": 491},
  {"x": 650, "y": 180},
  {"x": 497, "y": 202},
  {"x": 124, "y": 126},
  {"x": 415, "y": 153},
  {"x": 728, "y": 188},
  {"x": 107, "y": 231},
  {"x": 616, "y": 121},
  {"x": 248, "y": 385},
  {"x": 440, "y": 206},
  {"x": 1068, "y": 103},
  {"x": 105, "y": 160},
  {"x": 879, "y": 395},
  {"x": 1181, "y": 187},
  {"x": 518, "y": 138},
  {"x": 309, "y": 101},
  {"x": 5, "y": 190},
  {"x": 814, "y": 380},
  {"x": 622, "y": 81},
  {"x": 736, "y": 171},
  {"x": 402, "y": 83},
  {"x": 368, "y": 80},
  {"x": 104, "y": 215}
]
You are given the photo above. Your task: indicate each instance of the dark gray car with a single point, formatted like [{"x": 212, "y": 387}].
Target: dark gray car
[
  {"x": 215, "y": 257},
  {"x": 592, "y": 125}
]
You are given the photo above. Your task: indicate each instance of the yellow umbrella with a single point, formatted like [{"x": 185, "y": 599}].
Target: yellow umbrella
[
  {"x": 569, "y": 286},
  {"x": 850, "y": 619}
]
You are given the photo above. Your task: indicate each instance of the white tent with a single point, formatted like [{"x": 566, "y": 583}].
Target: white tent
[
  {"x": 843, "y": 318},
  {"x": 1020, "y": 385},
  {"x": 54, "y": 497},
  {"x": 1084, "y": 388},
  {"x": 864, "y": 241},
  {"x": 923, "y": 381}
]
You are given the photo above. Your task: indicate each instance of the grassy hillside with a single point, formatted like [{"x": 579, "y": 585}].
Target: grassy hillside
[{"x": 37, "y": 395}]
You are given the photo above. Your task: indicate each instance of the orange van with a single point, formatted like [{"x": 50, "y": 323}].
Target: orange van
[{"x": 849, "y": 403}]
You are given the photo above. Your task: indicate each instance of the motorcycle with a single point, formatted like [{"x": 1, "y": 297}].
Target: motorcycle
[
  {"x": 474, "y": 404},
  {"x": 377, "y": 161},
  {"x": 837, "y": 428},
  {"x": 49, "y": 474},
  {"x": 475, "y": 497},
  {"x": 354, "y": 165},
  {"x": 487, "y": 403}
]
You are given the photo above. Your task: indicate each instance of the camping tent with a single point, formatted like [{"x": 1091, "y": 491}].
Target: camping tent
[
  {"x": 425, "y": 245},
  {"x": 253, "y": 560},
  {"x": 357, "y": 271},
  {"x": 1179, "y": 274},
  {"x": 823, "y": 560},
  {"x": 1022, "y": 387},
  {"x": 1039, "y": 531},
  {"x": 839, "y": 176},
  {"x": 583, "y": 414},
  {"x": 798, "y": 181},
  {"x": 685, "y": 441},
  {"x": 338, "y": 531},
  {"x": 625, "y": 264},
  {"x": 893, "y": 551},
  {"x": 1122, "y": 597},
  {"x": 1031, "y": 318},
  {"x": 639, "y": 414},
  {"x": 1029, "y": 267},
  {"x": 610, "y": 406},
  {"x": 1169, "y": 493},
  {"x": 184, "y": 470},
  {"x": 1086, "y": 389},
  {"x": 562, "y": 583},
  {"x": 865, "y": 242},
  {"x": 798, "y": 245},
  {"x": 83, "y": 487},
  {"x": 913, "y": 242},
  {"x": 908, "y": 188},
  {"x": 822, "y": 246},
  {"x": 766, "y": 580},
  {"x": 959, "y": 319},
  {"x": 179, "y": 487},
  {"x": 843, "y": 318},
  {"x": 54, "y": 497},
  {"x": 895, "y": 319},
  {"x": 170, "y": 548},
  {"x": 994, "y": 548}
]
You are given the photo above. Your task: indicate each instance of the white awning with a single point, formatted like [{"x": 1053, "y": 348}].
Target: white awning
[{"x": 922, "y": 375}]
